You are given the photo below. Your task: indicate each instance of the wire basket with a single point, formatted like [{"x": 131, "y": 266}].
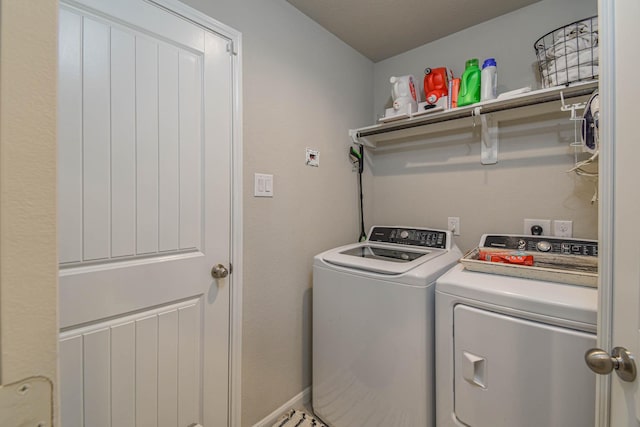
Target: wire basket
[{"x": 569, "y": 54}]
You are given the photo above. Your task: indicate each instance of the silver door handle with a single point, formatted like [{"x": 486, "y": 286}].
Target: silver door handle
[
  {"x": 621, "y": 360},
  {"x": 219, "y": 271}
]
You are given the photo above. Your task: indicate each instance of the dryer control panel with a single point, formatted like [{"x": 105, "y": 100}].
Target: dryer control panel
[
  {"x": 409, "y": 236},
  {"x": 559, "y": 245}
]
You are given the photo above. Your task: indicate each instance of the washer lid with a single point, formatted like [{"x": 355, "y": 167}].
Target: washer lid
[
  {"x": 385, "y": 259},
  {"x": 556, "y": 300}
]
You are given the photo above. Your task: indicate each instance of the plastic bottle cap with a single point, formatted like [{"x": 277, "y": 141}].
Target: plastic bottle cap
[
  {"x": 489, "y": 62},
  {"x": 471, "y": 63}
]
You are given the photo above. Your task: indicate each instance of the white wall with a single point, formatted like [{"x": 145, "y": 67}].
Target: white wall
[
  {"x": 28, "y": 252},
  {"x": 423, "y": 186},
  {"x": 302, "y": 88}
]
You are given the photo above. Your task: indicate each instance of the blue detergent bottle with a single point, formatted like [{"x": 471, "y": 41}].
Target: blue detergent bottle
[{"x": 470, "y": 83}]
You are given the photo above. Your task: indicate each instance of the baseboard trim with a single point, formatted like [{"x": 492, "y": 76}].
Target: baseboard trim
[{"x": 296, "y": 401}]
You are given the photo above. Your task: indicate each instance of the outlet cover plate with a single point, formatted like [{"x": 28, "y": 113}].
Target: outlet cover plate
[
  {"x": 562, "y": 228},
  {"x": 544, "y": 223},
  {"x": 453, "y": 223}
]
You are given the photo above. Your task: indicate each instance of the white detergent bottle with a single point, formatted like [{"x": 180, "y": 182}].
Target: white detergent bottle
[
  {"x": 403, "y": 91},
  {"x": 489, "y": 80}
]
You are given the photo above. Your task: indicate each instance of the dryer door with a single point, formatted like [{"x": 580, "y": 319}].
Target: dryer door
[{"x": 514, "y": 372}]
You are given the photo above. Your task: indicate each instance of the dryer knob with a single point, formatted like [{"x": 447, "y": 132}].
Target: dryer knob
[
  {"x": 543, "y": 246},
  {"x": 404, "y": 234}
]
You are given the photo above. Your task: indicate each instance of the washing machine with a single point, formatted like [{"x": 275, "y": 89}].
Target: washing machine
[
  {"x": 510, "y": 350},
  {"x": 373, "y": 328}
]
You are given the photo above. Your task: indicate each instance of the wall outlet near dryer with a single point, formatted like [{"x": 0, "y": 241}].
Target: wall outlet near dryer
[
  {"x": 540, "y": 227},
  {"x": 562, "y": 228},
  {"x": 453, "y": 224}
]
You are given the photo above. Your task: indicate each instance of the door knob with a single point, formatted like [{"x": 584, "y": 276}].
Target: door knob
[
  {"x": 621, "y": 360},
  {"x": 219, "y": 271}
]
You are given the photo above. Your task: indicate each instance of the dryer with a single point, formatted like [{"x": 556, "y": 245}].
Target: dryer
[
  {"x": 373, "y": 328},
  {"x": 509, "y": 350}
]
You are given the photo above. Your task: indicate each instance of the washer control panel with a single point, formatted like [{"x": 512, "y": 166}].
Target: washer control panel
[
  {"x": 554, "y": 245},
  {"x": 409, "y": 236}
]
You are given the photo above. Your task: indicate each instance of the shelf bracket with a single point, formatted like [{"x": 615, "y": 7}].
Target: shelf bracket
[
  {"x": 572, "y": 107},
  {"x": 353, "y": 133},
  {"x": 360, "y": 140},
  {"x": 489, "y": 137}
]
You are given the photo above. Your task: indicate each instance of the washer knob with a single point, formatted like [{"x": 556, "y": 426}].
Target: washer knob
[
  {"x": 404, "y": 234},
  {"x": 543, "y": 246}
]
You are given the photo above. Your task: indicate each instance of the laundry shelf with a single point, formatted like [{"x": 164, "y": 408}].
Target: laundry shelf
[{"x": 486, "y": 114}]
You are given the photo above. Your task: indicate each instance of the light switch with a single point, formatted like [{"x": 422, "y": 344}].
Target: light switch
[{"x": 263, "y": 185}]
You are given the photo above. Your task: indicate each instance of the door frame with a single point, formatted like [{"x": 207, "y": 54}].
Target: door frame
[{"x": 606, "y": 194}]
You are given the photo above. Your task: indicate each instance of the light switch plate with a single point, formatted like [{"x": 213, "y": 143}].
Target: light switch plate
[{"x": 263, "y": 185}]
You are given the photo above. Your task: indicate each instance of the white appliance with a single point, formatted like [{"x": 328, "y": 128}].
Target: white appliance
[
  {"x": 373, "y": 328},
  {"x": 510, "y": 351}
]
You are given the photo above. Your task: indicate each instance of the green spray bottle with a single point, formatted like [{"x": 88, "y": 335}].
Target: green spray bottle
[{"x": 470, "y": 84}]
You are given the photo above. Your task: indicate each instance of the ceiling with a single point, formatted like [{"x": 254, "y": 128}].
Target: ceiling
[{"x": 380, "y": 29}]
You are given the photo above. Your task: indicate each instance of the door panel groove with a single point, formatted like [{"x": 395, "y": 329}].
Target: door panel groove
[
  {"x": 122, "y": 261},
  {"x": 98, "y": 324}
]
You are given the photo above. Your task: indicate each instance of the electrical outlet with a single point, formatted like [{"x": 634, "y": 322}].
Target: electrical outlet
[
  {"x": 544, "y": 223},
  {"x": 562, "y": 228},
  {"x": 454, "y": 225}
]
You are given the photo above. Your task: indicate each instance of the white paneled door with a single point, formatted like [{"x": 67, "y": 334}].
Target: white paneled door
[{"x": 145, "y": 129}]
